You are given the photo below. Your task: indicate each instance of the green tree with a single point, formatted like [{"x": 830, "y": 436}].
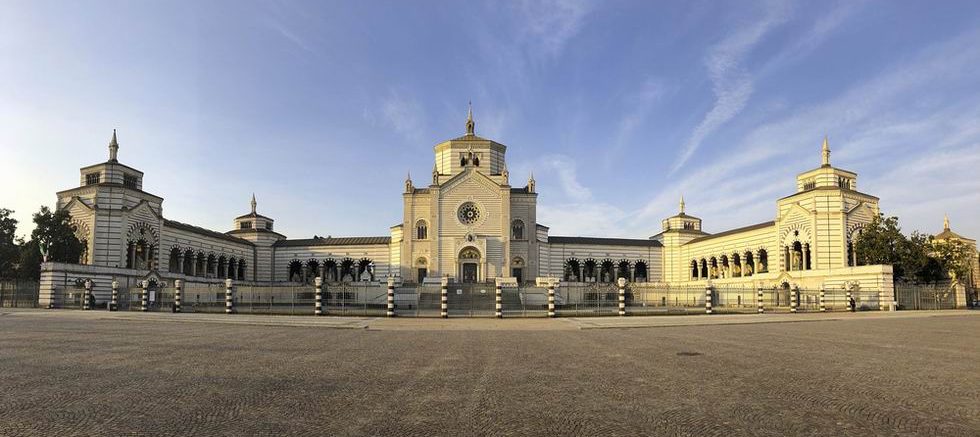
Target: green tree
[
  {"x": 954, "y": 258},
  {"x": 54, "y": 235},
  {"x": 9, "y": 252},
  {"x": 882, "y": 242}
]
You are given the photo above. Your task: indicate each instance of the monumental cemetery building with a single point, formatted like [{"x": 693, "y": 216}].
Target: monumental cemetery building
[{"x": 469, "y": 222}]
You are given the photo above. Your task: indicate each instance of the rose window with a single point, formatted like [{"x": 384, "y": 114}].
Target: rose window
[{"x": 468, "y": 213}]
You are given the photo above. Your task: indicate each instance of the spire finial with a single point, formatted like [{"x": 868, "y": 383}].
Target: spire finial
[
  {"x": 945, "y": 222},
  {"x": 682, "y": 204},
  {"x": 530, "y": 182},
  {"x": 113, "y": 147},
  {"x": 826, "y": 152},
  {"x": 254, "y": 203},
  {"x": 470, "y": 125}
]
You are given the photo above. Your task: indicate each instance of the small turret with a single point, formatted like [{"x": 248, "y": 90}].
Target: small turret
[
  {"x": 826, "y": 152},
  {"x": 254, "y": 203},
  {"x": 470, "y": 125},
  {"x": 409, "y": 187},
  {"x": 530, "y": 183},
  {"x": 113, "y": 148}
]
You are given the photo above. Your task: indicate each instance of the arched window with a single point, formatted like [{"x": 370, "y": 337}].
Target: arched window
[
  {"x": 241, "y": 269},
  {"x": 295, "y": 271},
  {"x": 174, "y": 265},
  {"x": 640, "y": 273},
  {"x": 517, "y": 230},
  {"x": 763, "y": 264},
  {"x": 421, "y": 230}
]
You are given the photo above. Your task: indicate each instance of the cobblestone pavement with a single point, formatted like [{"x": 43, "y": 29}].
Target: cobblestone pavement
[{"x": 63, "y": 375}]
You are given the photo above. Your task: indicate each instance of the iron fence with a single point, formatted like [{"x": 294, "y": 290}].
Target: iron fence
[
  {"x": 17, "y": 293},
  {"x": 911, "y": 296}
]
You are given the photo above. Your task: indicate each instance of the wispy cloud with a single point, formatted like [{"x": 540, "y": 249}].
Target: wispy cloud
[
  {"x": 731, "y": 83},
  {"x": 549, "y": 24},
  {"x": 403, "y": 114}
]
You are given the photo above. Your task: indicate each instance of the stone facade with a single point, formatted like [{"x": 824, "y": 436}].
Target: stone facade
[{"x": 469, "y": 224}]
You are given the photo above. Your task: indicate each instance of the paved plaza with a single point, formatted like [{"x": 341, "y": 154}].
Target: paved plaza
[{"x": 99, "y": 373}]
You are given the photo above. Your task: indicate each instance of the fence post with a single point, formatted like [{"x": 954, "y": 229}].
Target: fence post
[
  {"x": 114, "y": 303},
  {"x": 707, "y": 298},
  {"x": 622, "y": 296},
  {"x": 178, "y": 289},
  {"x": 498, "y": 299},
  {"x": 391, "y": 297},
  {"x": 229, "y": 302},
  {"x": 444, "y": 298},
  {"x": 318, "y": 304},
  {"x": 86, "y": 298},
  {"x": 849, "y": 306},
  {"x": 881, "y": 300},
  {"x": 823, "y": 300},
  {"x": 145, "y": 296},
  {"x": 794, "y": 297},
  {"x": 551, "y": 298},
  {"x": 761, "y": 310}
]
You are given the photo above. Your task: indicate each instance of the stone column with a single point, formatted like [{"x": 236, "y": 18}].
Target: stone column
[
  {"x": 114, "y": 304},
  {"x": 145, "y": 296},
  {"x": 794, "y": 295},
  {"x": 193, "y": 266},
  {"x": 229, "y": 301},
  {"x": 551, "y": 299},
  {"x": 499, "y": 301},
  {"x": 391, "y": 297},
  {"x": 707, "y": 298},
  {"x": 444, "y": 298},
  {"x": 761, "y": 309},
  {"x": 178, "y": 288},
  {"x": 132, "y": 257},
  {"x": 318, "y": 304},
  {"x": 622, "y": 296}
]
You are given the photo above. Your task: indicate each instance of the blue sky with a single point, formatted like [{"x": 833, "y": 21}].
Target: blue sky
[{"x": 618, "y": 107}]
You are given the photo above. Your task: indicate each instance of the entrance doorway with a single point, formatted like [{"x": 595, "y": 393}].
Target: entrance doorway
[{"x": 469, "y": 273}]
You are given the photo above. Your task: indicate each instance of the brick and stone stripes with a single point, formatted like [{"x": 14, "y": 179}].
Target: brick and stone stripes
[
  {"x": 229, "y": 300},
  {"x": 794, "y": 296},
  {"x": 823, "y": 300},
  {"x": 391, "y": 297},
  {"x": 145, "y": 296},
  {"x": 551, "y": 300},
  {"x": 178, "y": 295},
  {"x": 87, "y": 297},
  {"x": 444, "y": 298},
  {"x": 499, "y": 301},
  {"x": 622, "y": 296},
  {"x": 707, "y": 299},
  {"x": 114, "y": 303},
  {"x": 761, "y": 307},
  {"x": 318, "y": 304}
]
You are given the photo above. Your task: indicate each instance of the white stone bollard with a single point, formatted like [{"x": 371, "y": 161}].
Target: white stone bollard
[
  {"x": 761, "y": 309},
  {"x": 229, "y": 301},
  {"x": 823, "y": 300},
  {"x": 499, "y": 301},
  {"x": 707, "y": 299},
  {"x": 551, "y": 299},
  {"x": 881, "y": 300},
  {"x": 794, "y": 296},
  {"x": 178, "y": 290},
  {"x": 145, "y": 296},
  {"x": 114, "y": 303},
  {"x": 444, "y": 299},
  {"x": 87, "y": 296},
  {"x": 622, "y": 296},
  {"x": 391, "y": 297},
  {"x": 318, "y": 303}
]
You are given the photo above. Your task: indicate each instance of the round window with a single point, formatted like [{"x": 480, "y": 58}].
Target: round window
[{"x": 468, "y": 213}]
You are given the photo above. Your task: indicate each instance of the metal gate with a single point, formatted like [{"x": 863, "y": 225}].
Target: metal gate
[
  {"x": 925, "y": 296},
  {"x": 471, "y": 300}
]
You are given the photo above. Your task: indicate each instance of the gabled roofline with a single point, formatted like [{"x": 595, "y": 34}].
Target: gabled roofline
[{"x": 733, "y": 231}]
